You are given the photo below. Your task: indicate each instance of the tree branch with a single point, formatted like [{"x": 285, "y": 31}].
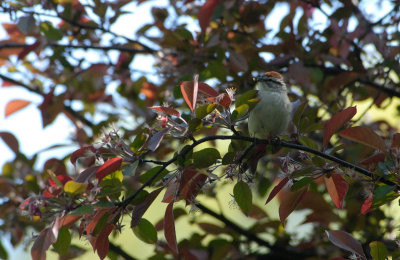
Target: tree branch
[
  {"x": 284, "y": 252},
  {"x": 80, "y": 46},
  {"x": 118, "y": 250},
  {"x": 300, "y": 147},
  {"x": 146, "y": 49},
  {"x": 36, "y": 90}
]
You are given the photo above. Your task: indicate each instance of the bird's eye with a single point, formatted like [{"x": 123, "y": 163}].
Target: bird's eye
[{"x": 252, "y": 81}]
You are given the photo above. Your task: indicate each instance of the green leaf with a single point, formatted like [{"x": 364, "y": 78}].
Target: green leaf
[
  {"x": 63, "y": 241},
  {"x": 309, "y": 142},
  {"x": 203, "y": 111},
  {"x": 243, "y": 196},
  {"x": 138, "y": 142},
  {"x": 302, "y": 172},
  {"x": 382, "y": 191},
  {"x": 299, "y": 112},
  {"x": 54, "y": 178},
  {"x": 145, "y": 231},
  {"x": 83, "y": 210},
  {"x": 228, "y": 158},
  {"x": 117, "y": 176},
  {"x": 130, "y": 170},
  {"x": 239, "y": 112},
  {"x": 100, "y": 224},
  {"x": 301, "y": 183},
  {"x": 313, "y": 127},
  {"x": 141, "y": 196},
  {"x": 75, "y": 188},
  {"x": 383, "y": 195},
  {"x": 378, "y": 250},
  {"x": 147, "y": 175},
  {"x": 318, "y": 161},
  {"x": 206, "y": 157},
  {"x": 50, "y": 32},
  {"x": 3, "y": 251},
  {"x": 104, "y": 204},
  {"x": 195, "y": 124},
  {"x": 245, "y": 97}
]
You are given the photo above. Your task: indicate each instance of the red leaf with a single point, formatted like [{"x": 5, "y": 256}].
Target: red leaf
[
  {"x": 345, "y": 241},
  {"x": 100, "y": 243},
  {"x": 364, "y": 135},
  {"x": 55, "y": 165},
  {"x": 277, "y": 188},
  {"x": 47, "y": 237},
  {"x": 42, "y": 243},
  {"x": 11, "y": 141},
  {"x": 25, "y": 204},
  {"x": 205, "y": 13},
  {"x": 69, "y": 220},
  {"x": 82, "y": 152},
  {"x": 94, "y": 220},
  {"x": 169, "y": 229},
  {"x": 155, "y": 140},
  {"x": 123, "y": 60},
  {"x": 7, "y": 84},
  {"x": 166, "y": 110},
  {"x": 336, "y": 122},
  {"x": 342, "y": 79},
  {"x": 191, "y": 184},
  {"x": 374, "y": 159},
  {"x": 337, "y": 189},
  {"x": 207, "y": 91},
  {"x": 85, "y": 175},
  {"x": 171, "y": 191},
  {"x": 189, "y": 91},
  {"x": 150, "y": 91},
  {"x": 366, "y": 206},
  {"x": 13, "y": 32},
  {"x": 140, "y": 209},
  {"x": 15, "y": 105},
  {"x": 51, "y": 107},
  {"x": 222, "y": 99},
  {"x": 28, "y": 49},
  {"x": 396, "y": 141},
  {"x": 108, "y": 167},
  {"x": 238, "y": 62},
  {"x": 290, "y": 202}
]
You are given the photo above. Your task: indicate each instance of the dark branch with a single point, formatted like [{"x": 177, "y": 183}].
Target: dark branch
[
  {"x": 118, "y": 250},
  {"x": 187, "y": 149},
  {"x": 21, "y": 84},
  {"x": 145, "y": 48},
  {"x": 283, "y": 252},
  {"x": 81, "y": 46},
  {"x": 36, "y": 90}
]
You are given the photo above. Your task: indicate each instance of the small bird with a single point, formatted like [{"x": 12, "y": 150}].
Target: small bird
[
  {"x": 272, "y": 114},
  {"x": 270, "y": 117}
]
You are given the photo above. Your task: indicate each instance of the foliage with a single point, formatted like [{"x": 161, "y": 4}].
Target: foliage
[{"x": 158, "y": 132}]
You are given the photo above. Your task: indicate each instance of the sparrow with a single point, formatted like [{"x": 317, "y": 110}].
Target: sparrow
[{"x": 272, "y": 114}]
